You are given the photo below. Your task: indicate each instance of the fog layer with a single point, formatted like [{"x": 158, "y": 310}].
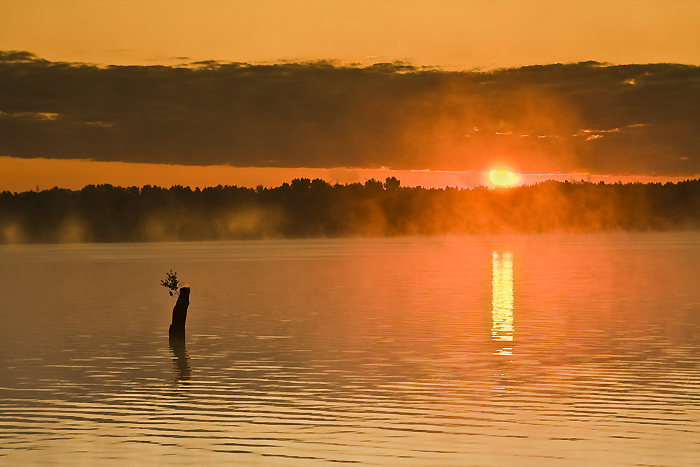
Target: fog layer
[{"x": 313, "y": 208}]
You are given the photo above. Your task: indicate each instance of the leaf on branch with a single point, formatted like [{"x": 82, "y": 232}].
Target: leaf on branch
[{"x": 171, "y": 283}]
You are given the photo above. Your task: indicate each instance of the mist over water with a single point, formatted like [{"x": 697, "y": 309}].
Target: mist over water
[
  {"x": 316, "y": 209},
  {"x": 497, "y": 351}
]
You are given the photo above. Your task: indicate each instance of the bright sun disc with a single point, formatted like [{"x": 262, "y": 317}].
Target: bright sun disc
[{"x": 501, "y": 177}]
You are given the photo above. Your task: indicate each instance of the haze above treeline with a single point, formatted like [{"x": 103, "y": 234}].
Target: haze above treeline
[{"x": 308, "y": 208}]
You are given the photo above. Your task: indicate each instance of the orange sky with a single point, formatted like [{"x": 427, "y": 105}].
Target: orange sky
[
  {"x": 28, "y": 174},
  {"x": 452, "y": 34},
  {"x": 461, "y": 34}
]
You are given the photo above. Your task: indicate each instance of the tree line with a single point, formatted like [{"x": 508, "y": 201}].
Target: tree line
[{"x": 308, "y": 208}]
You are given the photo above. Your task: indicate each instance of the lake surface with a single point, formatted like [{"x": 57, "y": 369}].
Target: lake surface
[{"x": 468, "y": 351}]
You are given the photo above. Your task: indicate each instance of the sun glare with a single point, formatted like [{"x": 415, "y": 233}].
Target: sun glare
[{"x": 501, "y": 177}]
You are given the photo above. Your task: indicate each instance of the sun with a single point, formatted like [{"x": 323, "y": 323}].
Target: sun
[{"x": 502, "y": 177}]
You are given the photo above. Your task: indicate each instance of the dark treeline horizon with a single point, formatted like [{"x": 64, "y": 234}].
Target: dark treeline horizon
[{"x": 308, "y": 208}]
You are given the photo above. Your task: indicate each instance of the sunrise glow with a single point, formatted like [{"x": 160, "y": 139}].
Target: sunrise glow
[{"x": 503, "y": 177}]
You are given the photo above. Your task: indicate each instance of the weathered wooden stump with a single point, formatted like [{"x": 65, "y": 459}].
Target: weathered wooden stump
[{"x": 177, "y": 328}]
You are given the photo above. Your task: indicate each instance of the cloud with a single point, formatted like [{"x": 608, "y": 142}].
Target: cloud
[{"x": 584, "y": 117}]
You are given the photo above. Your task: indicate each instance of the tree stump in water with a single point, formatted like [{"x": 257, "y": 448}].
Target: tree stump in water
[{"x": 177, "y": 328}]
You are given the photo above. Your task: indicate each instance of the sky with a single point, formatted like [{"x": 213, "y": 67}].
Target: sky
[{"x": 435, "y": 92}]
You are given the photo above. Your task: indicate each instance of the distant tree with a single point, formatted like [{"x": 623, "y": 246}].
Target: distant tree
[
  {"x": 392, "y": 184},
  {"x": 373, "y": 186},
  {"x": 319, "y": 184},
  {"x": 301, "y": 184}
]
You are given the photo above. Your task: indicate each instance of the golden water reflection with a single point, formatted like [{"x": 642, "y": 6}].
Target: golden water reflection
[{"x": 502, "y": 300}]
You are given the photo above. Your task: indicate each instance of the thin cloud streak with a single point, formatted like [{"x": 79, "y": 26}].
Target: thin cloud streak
[{"x": 563, "y": 118}]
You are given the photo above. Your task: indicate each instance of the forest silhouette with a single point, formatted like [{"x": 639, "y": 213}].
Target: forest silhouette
[{"x": 308, "y": 208}]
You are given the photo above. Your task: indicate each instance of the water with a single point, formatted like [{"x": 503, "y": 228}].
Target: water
[{"x": 521, "y": 351}]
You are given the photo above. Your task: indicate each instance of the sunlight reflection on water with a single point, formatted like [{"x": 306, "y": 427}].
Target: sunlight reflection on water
[
  {"x": 370, "y": 352},
  {"x": 502, "y": 300}
]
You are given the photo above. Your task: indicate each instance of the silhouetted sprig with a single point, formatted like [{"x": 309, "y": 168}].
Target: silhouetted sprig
[{"x": 171, "y": 283}]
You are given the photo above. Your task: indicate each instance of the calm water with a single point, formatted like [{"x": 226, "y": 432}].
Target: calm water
[{"x": 541, "y": 351}]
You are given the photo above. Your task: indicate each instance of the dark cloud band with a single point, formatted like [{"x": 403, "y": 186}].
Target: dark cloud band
[{"x": 586, "y": 117}]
